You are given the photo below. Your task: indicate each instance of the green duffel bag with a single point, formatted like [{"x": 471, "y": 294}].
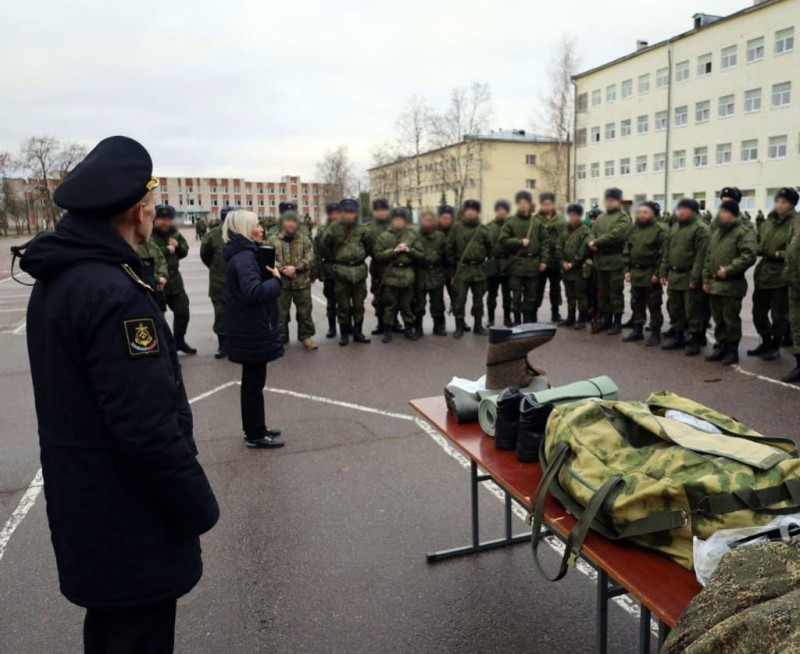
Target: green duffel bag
[{"x": 625, "y": 470}]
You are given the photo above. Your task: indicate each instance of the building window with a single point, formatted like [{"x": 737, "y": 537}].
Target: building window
[
  {"x": 627, "y": 88},
  {"x": 260, "y": 202},
  {"x": 642, "y": 124},
  {"x": 755, "y": 50},
  {"x": 681, "y": 116},
  {"x": 641, "y": 164},
  {"x": 644, "y": 83},
  {"x": 662, "y": 77},
  {"x": 529, "y": 183},
  {"x": 595, "y": 135},
  {"x": 213, "y": 203},
  {"x": 580, "y": 137},
  {"x": 728, "y": 57},
  {"x": 704, "y": 65},
  {"x": 611, "y": 131},
  {"x": 776, "y": 148},
  {"x": 784, "y": 40},
  {"x": 611, "y": 93},
  {"x": 661, "y": 120},
  {"x": 660, "y": 162},
  {"x": 249, "y": 203},
  {"x": 678, "y": 159},
  {"x": 724, "y": 153},
  {"x": 582, "y": 103},
  {"x": 682, "y": 71},
  {"x": 750, "y": 150},
  {"x": 581, "y": 171},
  {"x": 224, "y": 189},
  {"x": 261, "y": 191},
  {"x": 748, "y": 202},
  {"x": 625, "y": 166},
  {"x": 594, "y": 170},
  {"x": 236, "y": 189},
  {"x": 608, "y": 168},
  {"x": 163, "y": 189},
  {"x": 191, "y": 202},
  {"x": 625, "y": 127},
  {"x": 190, "y": 189},
  {"x": 700, "y": 157},
  {"x": 702, "y": 111},
  {"x": 596, "y": 98},
  {"x": 752, "y": 101},
  {"x": 213, "y": 189},
  {"x": 781, "y": 94},
  {"x": 726, "y": 106},
  {"x": 530, "y": 159}
]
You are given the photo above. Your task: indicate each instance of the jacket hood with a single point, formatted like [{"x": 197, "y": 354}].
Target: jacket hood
[
  {"x": 236, "y": 244},
  {"x": 75, "y": 241}
]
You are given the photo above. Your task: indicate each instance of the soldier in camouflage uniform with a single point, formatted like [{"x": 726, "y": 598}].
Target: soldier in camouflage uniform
[
  {"x": 325, "y": 268},
  {"x": 554, "y": 225},
  {"x": 430, "y": 275},
  {"x": 294, "y": 258},
  {"x": 524, "y": 240},
  {"x": 731, "y": 251},
  {"x": 200, "y": 229},
  {"x": 344, "y": 245},
  {"x": 771, "y": 294},
  {"x": 760, "y": 219},
  {"x": 643, "y": 253},
  {"x": 790, "y": 197},
  {"x": 446, "y": 220},
  {"x": 378, "y": 225},
  {"x": 175, "y": 248},
  {"x": 468, "y": 247},
  {"x": 211, "y": 256},
  {"x": 573, "y": 252},
  {"x": 610, "y": 233},
  {"x": 398, "y": 249},
  {"x": 497, "y": 277},
  {"x": 682, "y": 274},
  {"x": 155, "y": 263}
]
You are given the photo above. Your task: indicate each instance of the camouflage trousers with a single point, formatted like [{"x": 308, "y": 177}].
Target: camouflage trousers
[
  {"x": 611, "y": 291},
  {"x": 434, "y": 296},
  {"x": 577, "y": 294},
  {"x": 552, "y": 275},
  {"x": 219, "y": 315},
  {"x": 350, "y": 298},
  {"x": 396, "y": 299},
  {"x": 644, "y": 299},
  {"x": 301, "y": 298},
  {"x": 462, "y": 290},
  {"x": 687, "y": 310},
  {"x": 329, "y": 291},
  {"x": 496, "y": 284},
  {"x": 771, "y": 311},
  {"x": 727, "y": 315},
  {"x": 524, "y": 293},
  {"x": 794, "y": 318},
  {"x": 177, "y": 300}
]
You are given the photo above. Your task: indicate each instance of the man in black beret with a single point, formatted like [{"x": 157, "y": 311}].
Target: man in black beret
[
  {"x": 497, "y": 277},
  {"x": 445, "y": 219},
  {"x": 126, "y": 496},
  {"x": 786, "y": 200},
  {"x": 380, "y": 223},
  {"x": 554, "y": 224},
  {"x": 325, "y": 267}
]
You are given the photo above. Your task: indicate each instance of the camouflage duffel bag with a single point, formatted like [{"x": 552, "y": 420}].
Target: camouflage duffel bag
[{"x": 626, "y": 470}]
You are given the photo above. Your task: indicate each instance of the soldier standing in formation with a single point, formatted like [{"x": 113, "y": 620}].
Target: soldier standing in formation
[
  {"x": 294, "y": 258},
  {"x": 554, "y": 226},
  {"x": 572, "y": 251},
  {"x": 643, "y": 253},
  {"x": 155, "y": 268},
  {"x": 790, "y": 197},
  {"x": 497, "y": 277},
  {"x": 430, "y": 277},
  {"x": 211, "y": 256},
  {"x": 379, "y": 224},
  {"x": 325, "y": 268},
  {"x": 175, "y": 248},
  {"x": 447, "y": 218}
]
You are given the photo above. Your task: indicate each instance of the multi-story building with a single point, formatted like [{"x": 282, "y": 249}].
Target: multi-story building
[
  {"x": 716, "y": 106},
  {"x": 196, "y": 197},
  {"x": 481, "y": 167}
]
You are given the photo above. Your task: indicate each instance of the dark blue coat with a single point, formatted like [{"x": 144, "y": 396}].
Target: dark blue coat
[
  {"x": 251, "y": 306},
  {"x": 126, "y": 496}
]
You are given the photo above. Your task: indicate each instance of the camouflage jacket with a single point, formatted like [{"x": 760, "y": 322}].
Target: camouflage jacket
[
  {"x": 373, "y": 230},
  {"x": 685, "y": 255},
  {"x": 401, "y": 273},
  {"x": 554, "y": 225},
  {"x": 524, "y": 261},
  {"x": 151, "y": 250},
  {"x": 345, "y": 246},
  {"x": 644, "y": 250},
  {"x": 173, "y": 258},
  {"x": 733, "y": 247},
  {"x": 448, "y": 266},
  {"x": 431, "y": 268},
  {"x": 299, "y": 252},
  {"x": 792, "y": 270},
  {"x": 498, "y": 261},
  {"x": 211, "y": 256},
  {"x": 773, "y": 237},
  {"x": 324, "y": 268},
  {"x": 610, "y": 234},
  {"x": 468, "y": 246},
  {"x": 573, "y": 248}
]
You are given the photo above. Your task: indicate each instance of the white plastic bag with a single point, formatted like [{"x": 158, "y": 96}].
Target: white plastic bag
[
  {"x": 707, "y": 553},
  {"x": 469, "y": 385}
]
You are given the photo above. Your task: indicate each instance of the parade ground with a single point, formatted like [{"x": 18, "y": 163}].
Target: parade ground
[{"x": 321, "y": 545}]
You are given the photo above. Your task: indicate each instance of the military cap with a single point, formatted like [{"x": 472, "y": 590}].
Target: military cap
[
  {"x": 349, "y": 205},
  {"x": 331, "y": 207},
  {"x": 613, "y": 193},
  {"x": 400, "y": 211},
  {"x": 112, "y": 178},
  {"x": 502, "y": 203},
  {"x": 654, "y": 206},
  {"x": 730, "y": 206},
  {"x": 689, "y": 203},
  {"x": 446, "y": 208},
  {"x": 165, "y": 211},
  {"x": 283, "y": 207},
  {"x": 291, "y": 215},
  {"x": 789, "y": 194},
  {"x": 380, "y": 203},
  {"x": 523, "y": 195},
  {"x": 575, "y": 208},
  {"x": 731, "y": 192},
  {"x": 472, "y": 204},
  {"x": 547, "y": 197}
]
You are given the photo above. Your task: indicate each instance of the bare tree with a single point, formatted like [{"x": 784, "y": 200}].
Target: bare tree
[
  {"x": 414, "y": 126},
  {"x": 555, "y": 117},
  {"x": 335, "y": 171},
  {"x": 68, "y": 157},
  {"x": 39, "y": 157},
  {"x": 12, "y": 199}
]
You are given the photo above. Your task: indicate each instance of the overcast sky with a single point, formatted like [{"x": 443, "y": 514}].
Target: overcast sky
[{"x": 261, "y": 89}]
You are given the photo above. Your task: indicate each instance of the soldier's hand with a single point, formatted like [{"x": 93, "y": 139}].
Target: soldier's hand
[
  {"x": 654, "y": 279},
  {"x": 274, "y": 272},
  {"x": 526, "y": 242},
  {"x": 627, "y": 277},
  {"x": 160, "y": 284},
  {"x": 173, "y": 242},
  {"x": 693, "y": 285},
  {"x": 722, "y": 273},
  {"x": 663, "y": 281},
  {"x": 542, "y": 266},
  {"x": 171, "y": 249},
  {"x": 567, "y": 266},
  {"x": 289, "y": 271},
  {"x": 706, "y": 287},
  {"x": 592, "y": 246}
]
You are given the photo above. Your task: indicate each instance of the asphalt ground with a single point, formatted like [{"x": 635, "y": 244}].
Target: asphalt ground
[{"x": 320, "y": 547}]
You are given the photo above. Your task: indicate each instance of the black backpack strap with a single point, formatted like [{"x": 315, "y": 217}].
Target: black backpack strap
[{"x": 750, "y": 498}]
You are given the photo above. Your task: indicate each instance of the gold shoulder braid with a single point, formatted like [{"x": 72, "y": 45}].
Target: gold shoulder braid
[{"x": 132, "y": 274}]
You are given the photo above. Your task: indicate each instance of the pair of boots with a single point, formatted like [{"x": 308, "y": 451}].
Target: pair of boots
[
  {"x": 570, "y": 319},
  {"x": 408, "y": 331},
  {"x": 794, "y": 376},
  {"x": 507, "y": 320},
  {"x": 461, "y": 327},
  {"x": 222, "y": 351},
  {"x": 615, "y": 325},
  {"x": 356, "y": 330},
  {"x": 439, "y": 326},
  {"x": 637, "y": 334},
  {"x": 520, "y": 424},
  {"x": 382, "y": 327},
  {"x": 727, "y": 353},
  {"x": 769, "y": 349}
]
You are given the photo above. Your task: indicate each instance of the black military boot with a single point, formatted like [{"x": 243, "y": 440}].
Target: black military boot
[
  {"x": 439, "y": 327},
  {"x": 387, "y": 336},
  {"x": 534, "y": 316},
  {"x": 528, "y": 317},
  {"x": 221, "y": 352},
  {"x": 507, "y": 320},
  {"x": 794, "y": 376},
  {"x": 719, "y": 353},
  {"x": 532, "y": 422},
  {"x": 616, "y": 327},
  {"x": 774, "y": 351},
  {"x": 397, "y": 327},
  {"x": 628, "y": 324},
  {"x": 636, "y": 334},
  {"x": 581, "y": 322},
  {"x": 555, "y": 315},
  {"x": 490, "y": 318},
  {"x": 787, "y": 340},
  {"x": 358, "y": 333},
  {"x": 344, "y": 334},
  {"x": 731, "y": 357},
  {"x": 678, "y": 342},
  {"x": 606, "y": 322},
  {"x": 570, "y": 321},
  {"x": 702, "y": 338},
  {"x": 459, "y": 332},
  {"x": 654, "y": 339},
  {"x": 331, "y": 328},
  {"x": 410, "y": 333},
  {"x": 380, "y": 329},
  {"x": 692, "y": 346},
  {"x": 517, "y": 319},
  {"x": 761, "y": 349},
  {"x": 670, "y": 333},
  {"x": 506, "y": 426},
  {"x": 418, "y": 326},
  {"x": 182, "y": 346},
  {"x": 479, "y": 329}
]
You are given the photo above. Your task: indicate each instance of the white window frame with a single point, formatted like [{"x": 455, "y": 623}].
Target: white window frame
[
  {"x": 643, "y": 123},
  {"x": 752, "y": 101},
  {"x": 641, "y": 164},
  {"x": 597, "y": 98},
  {"x": 749, "y": 150},
  {"x": 608, "y": 168},
  {"x": 755, "y": 50},
  {"x": 643, "y": 84},
  {"x": 700, "y": 157},
  {"x": 661, "y": 120},
  {"x": 727, "y": 106},
  {"x": 625, "y": 126},
  {"x": 683, "y": 70},
  {"x": 611, "y": 93},
  {"x": 679, "y": 160},
  {"x": 580, "y": 171},
  {"x": 625, "y": 166},
  {"x": 626, "y": 88},
  {"x": 594, "y": 134},
  {"x": 702, "y": 112},
  {"x": 728, "y": 57},
  {"x": 611, "y": 133},
  {"x": 662, "y": 77},
  {"x": 776, "y": 149},
  {"x": 594, "y": 170},
  {"x": 722, "y": 150},
  {"x": 782, "y": 92},
  {"x": 682, "y": 116},
  {"x": 659, "y": 162},
  {"x": 705, "y": 64},
  {"x": 784, "y": 41}
]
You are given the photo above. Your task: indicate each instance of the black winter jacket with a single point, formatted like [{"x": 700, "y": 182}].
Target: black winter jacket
[
  {"x": 251, "y": 306},
  {"x": 126, "y": 496}
]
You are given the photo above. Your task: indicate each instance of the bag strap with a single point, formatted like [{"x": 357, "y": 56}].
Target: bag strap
[
  {"x": 466, "y": 249},
  {"x": 750, "y": 498},
  {"x": 531, "y": 220}
]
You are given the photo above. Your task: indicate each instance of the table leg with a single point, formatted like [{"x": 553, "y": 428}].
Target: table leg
[
  {"x": 605, "y": 592},
  {"x": 644, "y": 630},
  {"x": 663, "y": 632}
]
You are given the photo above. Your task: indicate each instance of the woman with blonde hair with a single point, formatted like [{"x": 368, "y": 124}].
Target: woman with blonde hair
[{"x": 251, "y": 321}]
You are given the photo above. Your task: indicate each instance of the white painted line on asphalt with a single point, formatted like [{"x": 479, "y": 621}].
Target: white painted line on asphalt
[
  {"x": 19, "y": 330},
  {"x": 794, "y": 387},
  {"x": 28, "y": 498},
  {"x": 13, "y": 310}
]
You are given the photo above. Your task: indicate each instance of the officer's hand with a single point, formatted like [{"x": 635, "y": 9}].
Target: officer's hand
[
  {"x": 654, "y": 279},
  {"x": 706, "y": 287},
  {"x": 274, "y": 272},
  {"x": 627, "y": 277},
  {"x": 526, "y": 242},
  {"x": 693, "y": 285},
  {"x": 542, "y": 267},
  {"x": 663, "y": 281},
  {"x": 722, "y": 273},
  {"x": 289, "y": 271},
  {"x": 160, "y": 284},
  {"x": 567, "y": 266}
]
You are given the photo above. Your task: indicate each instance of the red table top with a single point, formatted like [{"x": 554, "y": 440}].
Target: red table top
[{"x": 655, "y": 580}]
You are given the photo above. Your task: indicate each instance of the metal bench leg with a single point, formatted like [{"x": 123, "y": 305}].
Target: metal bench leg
[
  {"x": 601, "y": 624},
  {"x": 663, "y": 632},
  {"x": 644, "y": 630}
]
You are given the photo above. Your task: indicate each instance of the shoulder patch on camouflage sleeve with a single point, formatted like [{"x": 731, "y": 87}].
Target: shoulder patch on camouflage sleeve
[{"x": 141, "y": 337}]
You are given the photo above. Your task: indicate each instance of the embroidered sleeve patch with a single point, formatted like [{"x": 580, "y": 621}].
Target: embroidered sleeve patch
[{"x": 141, "y": 337}]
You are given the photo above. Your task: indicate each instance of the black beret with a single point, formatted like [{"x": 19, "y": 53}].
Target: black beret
[
  {"x": 165, "y": 211},
  {"x": 575, "y": 208},
  {"x": 380, "y": 203},
  {"x": 789, "y": 194},
  {"x": 502, "y": 203},
  {"x": 112, "y": 178},
  {"x": 731, "y": 192},
  {"x": 654, "y": 206},
  {"x": 689, "y": 203},
  {"x": 523, "y": 195},
  {"x": 400, "y": 211},
  {"x": 547, "y": 197},
  {"x": 331, "y": 207},
  {"x": 613, "y": 193},
  {"x": 472, "y": 204},
  {"x": 730, "y": 206},
  {"x": 446, "y": 208},
  {"x": 349, "y": 204}
]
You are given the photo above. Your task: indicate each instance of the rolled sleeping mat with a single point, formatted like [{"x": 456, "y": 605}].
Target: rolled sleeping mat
[
  {"x": 487, "y": 411},
  {"x": 462, "y": 404}
]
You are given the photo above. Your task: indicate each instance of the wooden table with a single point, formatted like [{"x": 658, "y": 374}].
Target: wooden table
[{"x": 662, "y": 587}]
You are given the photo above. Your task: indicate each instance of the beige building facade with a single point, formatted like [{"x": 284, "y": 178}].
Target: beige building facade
[{"x": 716, "y": 106}]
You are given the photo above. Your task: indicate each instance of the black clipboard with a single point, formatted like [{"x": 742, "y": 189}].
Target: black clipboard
[{"x": 266, "y": 258}]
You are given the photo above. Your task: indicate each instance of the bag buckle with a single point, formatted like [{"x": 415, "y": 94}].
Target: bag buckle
[
  {"x": 684, "y": 517},
  {"x": 703, "y": 506}
]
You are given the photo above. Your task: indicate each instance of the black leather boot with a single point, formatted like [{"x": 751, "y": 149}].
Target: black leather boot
[
  {"x": 636, "y": 334},
  {"x": 221, "y": 352},
  {"x": 331, "y": 328},
  {"x": 490, "y": 318},
  {"x": 380, "y": 328},
  {"x": 774, "y": 351},
  {"x": 182, "y": 346},
  {"x": 761, "y": 349},
  {"x": 387, "y": 336},
  {"x": 459, "y": 332},
  {"x": 507, "y": 320},
  {"x": 654, "y": 339},
  {"x": 439, "y": 327},
  {"x": 555, "y": 315},
  {"x": 507, "y": 425},
  {"x": 670, "y": 333},
  {"x": 794, "y": 376},
  {"x": 677, "y": 343},
  {"x": 692, "y": 346},
  {"x": 581, "y": 322},
  {"x": 410, "y": 333},
  {"x": 528, "y": 317},
  {"x": 479, "y": 329},
  {"x": 532, "y": 422},
  {"x": 517, "y": 319},
  {"x": 570, "y": 321},
  {"x": 731, "y": 357},
  {"x": 719, "y": 353},
  {"x": 358, "y": 333},
  {"x": 418, "y": 326},
  {"x": 616, "y": 326},
  {"x": 344, "y": 334}
]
